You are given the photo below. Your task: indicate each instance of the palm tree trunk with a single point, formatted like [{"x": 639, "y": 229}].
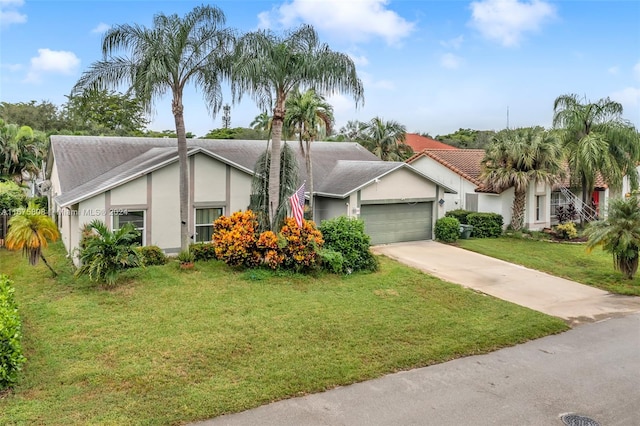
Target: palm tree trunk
[
  {"x": 274, "y": 167},
  {"x": 178, "y": 114},
  {"x": 517, "y": 213},
  {"x": 307, "y": 158},
  {"x": 55, "y": 274}
]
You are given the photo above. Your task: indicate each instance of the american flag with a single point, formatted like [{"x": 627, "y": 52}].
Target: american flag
[{"x": 297, "y": 205}]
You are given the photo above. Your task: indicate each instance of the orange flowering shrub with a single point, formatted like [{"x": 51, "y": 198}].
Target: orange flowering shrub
[
  {"x": 268, "y": 245},
  {"x": 235, "y": 240},
  {"x": 302, "y": 244}
]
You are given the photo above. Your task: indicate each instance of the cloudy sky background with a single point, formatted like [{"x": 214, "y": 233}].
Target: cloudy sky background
[{"x": 434, "y": 66}]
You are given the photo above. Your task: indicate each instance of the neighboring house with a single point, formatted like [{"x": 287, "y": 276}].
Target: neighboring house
[
  {"x": 119, "y": 180},
  {"x": 420, "y": 143},
  {"x": 460, "y": 169},
  {"x": 563, "y": 194}
]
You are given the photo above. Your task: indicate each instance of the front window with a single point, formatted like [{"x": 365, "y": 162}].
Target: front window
[
  {"x": 204, "y": 223},
  {"x": 134, "y": 217},
  {"x": 539, "y": 207}
]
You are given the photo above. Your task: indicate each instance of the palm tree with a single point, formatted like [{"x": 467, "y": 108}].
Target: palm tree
[
  {"x": 166, "y": 57},
  {"x": 386, "y": 139},
  {"x": 269, "y": 67},
  {"x": 619, "y": 234},
  {"x": 597, "y": 140},
  {"x": 309, "y": 115},
  {"x": 21, "y": 151},
  {"x": 30, "y": 232},
  {"x": 262, "y": 122},
  {"x": 516, "y": 158}
]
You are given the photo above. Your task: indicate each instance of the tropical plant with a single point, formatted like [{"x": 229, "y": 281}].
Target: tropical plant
[
  {"x": 347, "y": 236},
  {"x": 11, "y": 357},
  {"x": 262, "y": 122},
  {"x": 260, "y": 187},
  {"x": 175, "y": 51},
  {"x": 185, "y": 257},
  {"x": 566, "y": 231},
  {"x": 386, "y": 139},
  {"x": 107, "y": 253},
  {"x": 353, "y": 131},
  {"x": 516, "y": 158},
  {"x": 619, "y": 234},
  {"x": 12, "y": 197},
  {"x": 21, "y": 151},
  {"x": 301, "y": 245},
  {"x": 309, "y": 115},
  {"x": 597, "y": 140},
  {"x": 152, "y": 255},
  {"x": 31, "y": 231},
  {"x": 269, "y": 67}
]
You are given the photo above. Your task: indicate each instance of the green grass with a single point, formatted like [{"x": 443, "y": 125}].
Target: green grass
[
  {"x": 569, "y": 261},
  {"x": 169, "y": 346}
]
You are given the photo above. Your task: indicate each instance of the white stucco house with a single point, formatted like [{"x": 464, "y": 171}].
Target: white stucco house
[
  {"x": 120, "y": 179},
  {"x": 460, "y": 169}
]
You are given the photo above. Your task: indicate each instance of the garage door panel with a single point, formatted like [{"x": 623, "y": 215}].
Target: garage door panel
[{"x": 389, "y": 223}]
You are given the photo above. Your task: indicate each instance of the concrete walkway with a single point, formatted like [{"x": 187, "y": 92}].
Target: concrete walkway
[{"x": 571, "y": 301}]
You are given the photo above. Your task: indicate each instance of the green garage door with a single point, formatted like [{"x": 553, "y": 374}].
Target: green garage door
[{"x": 394, "y": 223}]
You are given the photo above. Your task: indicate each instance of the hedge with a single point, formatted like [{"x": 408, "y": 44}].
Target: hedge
[
  {"x": 460, "y": 214},
  {"x": 447, "y": 229},
  {"x": 485, "y": 225},
  {"x": 11, "y": 358}
]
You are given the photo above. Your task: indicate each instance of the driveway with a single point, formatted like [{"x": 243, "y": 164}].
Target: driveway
[
  {"x": 571, "y": 301},
  {"x": 592, "y": 370}
]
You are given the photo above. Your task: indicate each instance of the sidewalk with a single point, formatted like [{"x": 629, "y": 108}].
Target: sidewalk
[{"x": 571, "y": 301}]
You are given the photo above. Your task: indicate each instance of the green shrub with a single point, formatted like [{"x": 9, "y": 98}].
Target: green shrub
[
  {"x": 12, "y": 197},
  {"x": 459, "y": 214},
  {"x": 566, "y": 231},
  {"x": 486, "y": 225},
  {"x": 152, "y": 255},
  {"x": 203, "y": 251},
  {"x": 346, "y": 236},
  {"x": 42, "y": 203},
  {"x": 185, "y": 256},
  {"x": 11, "y": 358},
  {"x": 331, "y": 260},
  {"x": 447, "y": 229}
]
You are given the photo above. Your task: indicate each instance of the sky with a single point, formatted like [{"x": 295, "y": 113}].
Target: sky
[{"x": 434, "y": 66}]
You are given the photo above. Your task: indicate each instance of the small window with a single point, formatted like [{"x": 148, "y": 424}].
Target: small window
[
  {"x": 539, "y": 208},
  {"x": 134, "y": 217},
  {"x": 204, "y": 223}
]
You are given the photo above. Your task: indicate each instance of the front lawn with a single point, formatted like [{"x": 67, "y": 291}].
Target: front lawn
[
  {"x": 569, "y": 261},
  {"x": 169, "y": 347}
]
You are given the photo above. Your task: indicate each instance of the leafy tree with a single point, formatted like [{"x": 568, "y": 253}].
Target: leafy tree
[
  {"x": 386, "y": 139},
  {"x": 353, "y": 131},
  {"x": 30, "y": 231},
  {"x": 166, "y": 134},
  {"x": 241, "y": 133},
  {"x": 516, "y": 158},
  {"x": 43, "y": 116},
  {"x": 175, "y": 51},
  {"x": 106, "y": 253},
  {"x": 105, "y": 112},
  {"x": 619, "y": 235},
  {"x": 309, "y": 115},
  {"x": 21, "y": 151},
  {"x": 467, "y": 138},
  {"x": 262, "y": 122},
  {"x": 12, "y": 197},
  {"x": 269, "y": 67},
  {"x": 597, "y": 140}
]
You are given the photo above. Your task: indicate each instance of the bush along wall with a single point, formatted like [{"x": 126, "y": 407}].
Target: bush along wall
[
  {"x": 346, "y": 236},
  {"x": 11, "y": 358},
  {"x": 460, "y": 214},
  {"x": 485, "y": 225},
  {"x": 447, "y": 229}
]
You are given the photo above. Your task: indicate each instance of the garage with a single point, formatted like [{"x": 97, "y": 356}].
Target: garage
[{"x": 393, "y": 223}]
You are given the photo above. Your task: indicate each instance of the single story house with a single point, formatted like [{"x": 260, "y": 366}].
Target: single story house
[{"x": 122, "y": 179}]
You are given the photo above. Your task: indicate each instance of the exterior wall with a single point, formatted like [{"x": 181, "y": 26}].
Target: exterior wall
[
  {"x": 210, "y": 177},
  {"x": 164, "y": 214},
  {"x": 131, "y": 193},
  {"x": 328, "y": 208},
  {"x": 447, "y": 177},
  {"x": 399, "y": 185},
  {"x": 239, "y": 190},
  {"x": 538, "y": 189}
]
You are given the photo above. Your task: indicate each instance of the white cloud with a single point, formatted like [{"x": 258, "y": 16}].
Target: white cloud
[
  {"x": 628, "y": 97},
  {"x": 369, "y": 82},
  {"x": 8, "y": 13},
  {"x": 360, "y": 60},
  {"x": 453, "y": 43},
  {"x": 506, "y": 21},
  {"x": 52, "y": 61},
  {"x": 613, "y": 70},
  {"x": 100, "y": 28},
  {"x": 636, "y": 70},
  {"x": 354, "y": 20},
  {"x": 12, "y": 67},
  {"x": 450, "y": 61}
]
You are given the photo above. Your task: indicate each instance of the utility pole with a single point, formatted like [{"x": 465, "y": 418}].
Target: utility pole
[{"x": 226, "y": 116}]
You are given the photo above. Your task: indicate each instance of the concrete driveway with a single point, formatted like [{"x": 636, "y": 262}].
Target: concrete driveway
[{"x": 573, "y": 302}]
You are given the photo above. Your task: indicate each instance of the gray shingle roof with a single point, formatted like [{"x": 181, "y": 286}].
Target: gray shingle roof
[{"x": 88, "y": 165}]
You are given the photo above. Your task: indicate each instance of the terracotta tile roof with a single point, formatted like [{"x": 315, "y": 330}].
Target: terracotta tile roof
[
  {"x": 465, "y": 162},
  {"x": 419, "y": 143}
]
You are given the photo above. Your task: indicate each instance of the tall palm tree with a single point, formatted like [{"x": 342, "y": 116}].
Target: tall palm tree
[
  {"x": 269, "y": 67},
  {"x": 30, "y": 232},
  {"x": 262, "y": 122},
  {"x": 309, "y": 115},
  {"x": 169, "y": 55},
  {"x": 386, "y": 139},
  {"x": 619, "y": 234},
  {"x": 597, "y": 140},
  {"x": 516, "y": 158},
  {"x": 21, "y": 151}
]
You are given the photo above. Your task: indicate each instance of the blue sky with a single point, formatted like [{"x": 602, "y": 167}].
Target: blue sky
[{"x": 434, "y": 66}]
